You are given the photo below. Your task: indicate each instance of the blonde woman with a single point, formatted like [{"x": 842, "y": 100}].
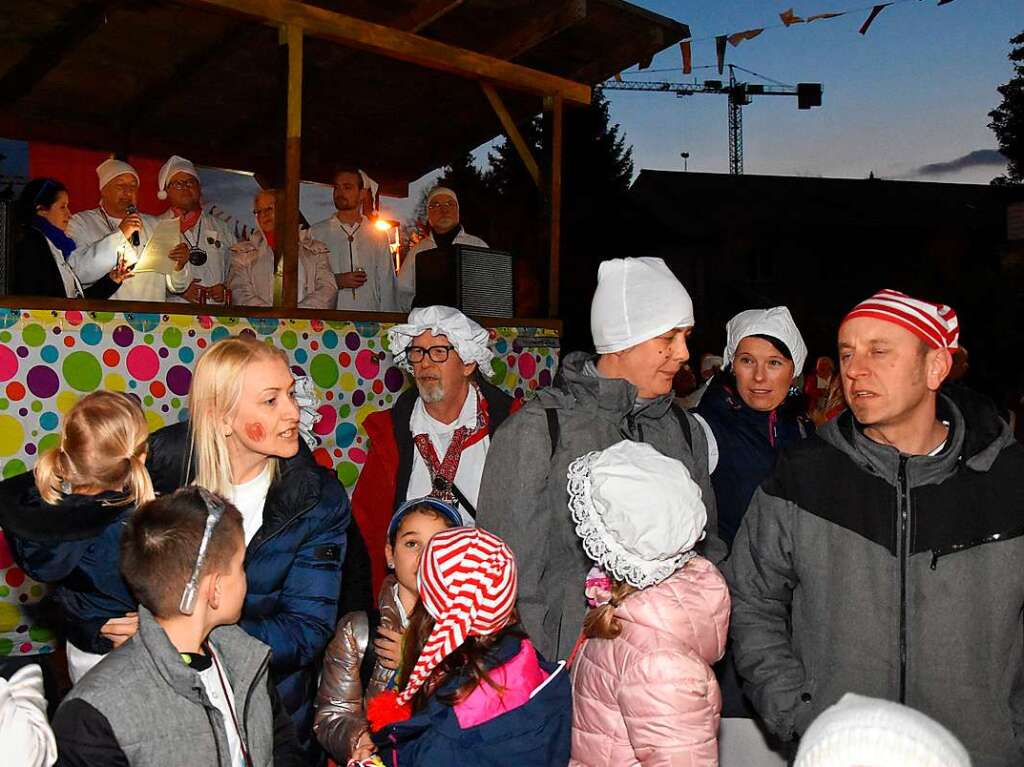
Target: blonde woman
[
  {"x": 242, "y": 441},
  {"x": 64, "y": 521}
]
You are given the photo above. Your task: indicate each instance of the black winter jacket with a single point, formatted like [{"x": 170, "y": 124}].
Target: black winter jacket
[
  {"x": 859, "y": 569},
  {"x": 75, "y": 545}
]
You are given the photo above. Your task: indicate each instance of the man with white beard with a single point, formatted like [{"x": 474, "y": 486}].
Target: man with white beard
[
  {"x": 104, "y": 237},
  {"x": 435, "y": 438}
]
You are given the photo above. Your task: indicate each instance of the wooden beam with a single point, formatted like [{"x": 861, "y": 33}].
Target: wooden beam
[
  {"x": 544, "y": 25},
  {"x": 51, "y": 49},
  {"x": 403, "y": 46},
  {"x": 513, "y": 133},
  {"x": 423, "y": 15},
  {"x": 292, "y": 34},
  {"x": 219, "y": 310},
  {"x": 555, "y": 201}
]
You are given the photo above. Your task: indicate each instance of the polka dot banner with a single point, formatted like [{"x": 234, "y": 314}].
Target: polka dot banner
[{"x": 50, "y": 359}]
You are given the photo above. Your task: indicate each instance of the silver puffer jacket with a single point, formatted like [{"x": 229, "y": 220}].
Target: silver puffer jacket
[{"x": 340, "y": 702}]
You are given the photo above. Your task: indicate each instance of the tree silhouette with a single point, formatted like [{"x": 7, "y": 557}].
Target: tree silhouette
[{"x": 1008, "y": 117}]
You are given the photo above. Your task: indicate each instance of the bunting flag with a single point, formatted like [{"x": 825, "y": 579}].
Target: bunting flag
[
  {"x": 944, "y": 2},
  {"x": 739, "y": 37},
  {"x": 720, "y": 50},
  {"x": 687, "y": 53},
  {"x": 818, "y": 16},
  {"x": 872, "y": 16},
  {"x": 645, "y": 63},
  {"x": 789, "y": 18},
  {"x": 618, "y": 77}
]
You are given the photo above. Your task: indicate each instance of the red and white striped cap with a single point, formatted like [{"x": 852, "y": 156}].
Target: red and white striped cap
[
  {"x": 467, "y": 582},
  {"x": 935, "y": 324}
]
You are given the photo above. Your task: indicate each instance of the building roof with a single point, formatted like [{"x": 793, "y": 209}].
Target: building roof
[{"x": 157, "y": 77}]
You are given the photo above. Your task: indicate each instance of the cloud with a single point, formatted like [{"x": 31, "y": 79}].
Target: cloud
[{"x": 976, "y": 159}]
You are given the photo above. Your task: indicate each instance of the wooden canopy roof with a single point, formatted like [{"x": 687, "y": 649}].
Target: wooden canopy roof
[{"x": 207, "y": 78}]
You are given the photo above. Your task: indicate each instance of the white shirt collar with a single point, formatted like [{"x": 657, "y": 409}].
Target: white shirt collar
[{"x": 421, "y": 422}]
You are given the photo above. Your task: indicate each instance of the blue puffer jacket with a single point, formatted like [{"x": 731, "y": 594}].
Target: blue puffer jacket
[
  {"x": 537, "y": 733},
  {"x": 292, "y": 567},
  {"x": 75, "y": 545},
  {"x": 749, "y": 443}
]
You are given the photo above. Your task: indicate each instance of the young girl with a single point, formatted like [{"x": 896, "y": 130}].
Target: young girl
[
  {"x": 355, "y": 670},
  {"x": 643, "y": 689},
  {"x": 64, "y": 522},
  {"x": 474, "y": 691}
]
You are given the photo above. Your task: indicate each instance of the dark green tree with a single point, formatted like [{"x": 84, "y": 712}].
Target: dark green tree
[
  {"x": 597, "y": 169},
  {"x": 1008, "y": 117}
]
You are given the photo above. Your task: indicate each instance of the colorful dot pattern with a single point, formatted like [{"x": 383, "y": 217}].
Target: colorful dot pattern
[{"x": 49, "y": 359}]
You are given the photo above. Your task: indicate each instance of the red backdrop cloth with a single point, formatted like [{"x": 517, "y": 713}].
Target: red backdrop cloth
[{"x": 76, "y": 169}]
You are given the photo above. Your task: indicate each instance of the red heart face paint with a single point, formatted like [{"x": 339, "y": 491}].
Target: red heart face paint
[{"x": 255, "y": 432}]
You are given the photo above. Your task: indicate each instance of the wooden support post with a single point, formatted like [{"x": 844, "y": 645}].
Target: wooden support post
[
  {"x": 555, "y": 103},
  {"x": 289, "y": 222},
  {"x": 513, "y": 132}
]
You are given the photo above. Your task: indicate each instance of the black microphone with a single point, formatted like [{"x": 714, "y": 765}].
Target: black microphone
[{"x": 132, "y": 210}]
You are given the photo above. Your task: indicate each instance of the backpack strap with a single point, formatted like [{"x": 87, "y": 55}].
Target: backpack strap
[
  {"x": 554, "y": 428},
  {"x": 369, "y": 662},
  {"x": 684, "y": 424}
]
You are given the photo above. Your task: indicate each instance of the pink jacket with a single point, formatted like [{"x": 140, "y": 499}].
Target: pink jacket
[{"x": 649, "y": 696}]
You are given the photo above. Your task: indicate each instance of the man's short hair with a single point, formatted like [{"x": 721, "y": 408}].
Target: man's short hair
[
  {"x": 160, "y": 544},
  {"x": 346, "y": 169}
]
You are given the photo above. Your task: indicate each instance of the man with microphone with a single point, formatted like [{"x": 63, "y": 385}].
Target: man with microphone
[{"x": 114, "y": 232}]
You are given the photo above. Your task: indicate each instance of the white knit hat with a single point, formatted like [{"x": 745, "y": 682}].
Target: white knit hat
[
  {"x": 174, "y": 164},
  {"x": 637, "y": 299},
  {"x": 776, "y": 322},
  {"x": 878, "y": 733},
  {"x": 110, "y": 169},
  {"x": 638, "y": 512},
  {"x": 471, "y": 341},
  {"x": 439, "y": 190}
]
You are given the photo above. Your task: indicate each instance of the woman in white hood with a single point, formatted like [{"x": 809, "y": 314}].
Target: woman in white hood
[{"x": 256, "y": 272}]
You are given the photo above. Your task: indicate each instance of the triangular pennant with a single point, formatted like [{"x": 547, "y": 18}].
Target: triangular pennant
[
  {"x": 944, "y": 2},
  {"x": 789, "y": 18},
  {"x": 645, "y": 63},
  {"x": 618, "y": 77},
  {"x": 872, "y": 16},
  {"x": 818, "y": 16},
  {"x": 739, "y": 37},
  {"x": 720, "y": 50},
  {"x": 687, "y": 53}
]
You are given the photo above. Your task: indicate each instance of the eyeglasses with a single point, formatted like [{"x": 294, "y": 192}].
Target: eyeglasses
[
  {"x": 263, "y": 211},
  {"x": 439, "y": 354},
  {"x": 442, "y": 206},
  {"x": 188, "y": 183},
  {"x": 214, "y": 511}
]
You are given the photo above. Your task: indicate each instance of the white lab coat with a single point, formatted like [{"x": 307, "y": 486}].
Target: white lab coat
[
  {"x": 407, "y": 274},
  {"x": 370, "y": 251},
  {"x": 100, "y": 245},
  {"x": 210, "y": 231},
  {"x": 251, "y": 274}
]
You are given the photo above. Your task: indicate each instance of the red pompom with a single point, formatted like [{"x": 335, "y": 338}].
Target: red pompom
[{"x": 385, "y": 709}]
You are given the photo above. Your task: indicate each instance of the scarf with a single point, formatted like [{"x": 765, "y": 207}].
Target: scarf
[
  {"x": 447, "y": 239},
  {"x": 187, "y": 220},
  {"x": 442, "y": 472},
  {"x": 54, "y": 234}
]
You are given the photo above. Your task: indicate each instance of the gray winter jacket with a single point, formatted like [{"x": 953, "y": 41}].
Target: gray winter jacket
[
  {"x": 858, "y": 569},
  {"x": 524, "y": 500},
  {"x": 142, "y": 705}
]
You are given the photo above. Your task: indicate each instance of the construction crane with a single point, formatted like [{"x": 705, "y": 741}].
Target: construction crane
[{"x": 808, "y": 95}]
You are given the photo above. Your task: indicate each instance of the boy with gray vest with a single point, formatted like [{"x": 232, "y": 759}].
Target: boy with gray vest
[{"x": 190, "y": 687}]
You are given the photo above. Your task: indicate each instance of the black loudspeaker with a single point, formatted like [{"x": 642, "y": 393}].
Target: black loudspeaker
[{"x": 477, "y": 281}]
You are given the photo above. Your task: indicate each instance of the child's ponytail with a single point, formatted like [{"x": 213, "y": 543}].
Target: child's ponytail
[
  {"x": 51, "y": 470},
  {"x": 600, "y": 622},
  {"x": 139, "y": 487}
]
